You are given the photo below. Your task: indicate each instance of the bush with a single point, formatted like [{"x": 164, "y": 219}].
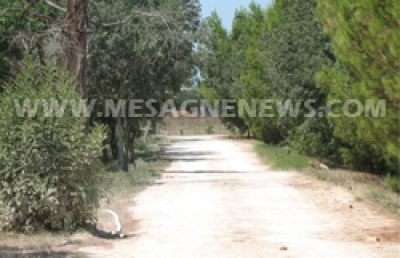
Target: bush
[
  {"x": 393, "y": 183},
  {"x": 49, "y": 168},
  {"x": 145, "y": 144}
]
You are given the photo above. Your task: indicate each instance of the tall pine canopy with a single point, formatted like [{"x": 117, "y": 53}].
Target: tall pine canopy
[{"x": 366, "y": 41}]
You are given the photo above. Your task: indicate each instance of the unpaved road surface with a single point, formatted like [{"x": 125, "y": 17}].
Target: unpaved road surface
[{"x": 217, "y": 200}]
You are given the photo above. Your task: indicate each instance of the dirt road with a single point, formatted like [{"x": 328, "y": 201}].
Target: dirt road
[{"x": 217, "y": 200}]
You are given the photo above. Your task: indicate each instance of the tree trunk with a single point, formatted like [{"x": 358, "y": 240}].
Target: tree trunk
[
  {"x": 131, "y": 147},
  {"x": 105, "y": 157},
  {"x": 113, "y": 141},
  {"x": 126, "y": 144},
  {"x": 75, "y": 43},
  {"x": 132, "y": 158},
  {"x": 154, "y": 125},
  {"x": 122, "y": 145},
  {"x": 41, "y": 52}
]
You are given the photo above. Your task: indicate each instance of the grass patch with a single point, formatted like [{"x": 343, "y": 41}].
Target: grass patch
[
  {"x": 136, "y": 179},
  {"x": 149, "y": 166},
  {"x": 281, "y": 158},
  {"x": 388, "y": 201}
]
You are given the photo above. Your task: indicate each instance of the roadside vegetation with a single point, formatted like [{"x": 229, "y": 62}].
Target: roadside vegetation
[
  {"x": 148, "y": 167},
  {"x": 365, "y": 186},
  {"x": 56, "y": 59},
  {"x": 317, "y": 51},
  {"x": 281, "y": 158},
  {"x": 119, "y": 189},
  {"x": 99, "y": 54}
]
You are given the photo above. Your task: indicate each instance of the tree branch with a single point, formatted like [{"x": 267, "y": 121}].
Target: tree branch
[
  {"x": 113, "y": 24},
  {"x": 37, "y": 34},
  {"x": 133, "y": 14},
  {"x": 55, "y": 6},
  {"x": 29, "y": 13}
]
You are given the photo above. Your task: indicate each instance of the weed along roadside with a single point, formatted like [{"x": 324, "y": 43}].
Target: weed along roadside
[{"x": 363, "y": 185}]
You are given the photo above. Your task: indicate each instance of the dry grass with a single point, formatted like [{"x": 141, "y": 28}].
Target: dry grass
[{"x": 364, "y": 186}]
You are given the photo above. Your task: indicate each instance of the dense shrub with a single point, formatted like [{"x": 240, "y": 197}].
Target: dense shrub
[
  {"x": 393, "y": 183},
  {"x": 49, "y": 167}
]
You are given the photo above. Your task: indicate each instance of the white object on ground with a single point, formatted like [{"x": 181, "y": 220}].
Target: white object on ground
[
  {"x": 323, "y": 166},
  {"x": 117, "y": 222}
]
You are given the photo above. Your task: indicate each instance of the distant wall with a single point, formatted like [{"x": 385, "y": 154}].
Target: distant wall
[{"x": 191, "y": 125}]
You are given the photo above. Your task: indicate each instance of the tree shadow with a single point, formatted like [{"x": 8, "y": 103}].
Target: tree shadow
[
  {"x": 95, "y": 232},
  {"x": 15, "y": 252},
  {"x": 183, "y": 139},
  {"x": 216, "y": 171}
]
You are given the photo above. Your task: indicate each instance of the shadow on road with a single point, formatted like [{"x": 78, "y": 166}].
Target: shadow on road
[
  {"x": 14, "y": 252},
  {"x": 209, "y": 172},
  {"x": 188, "y": 156}
]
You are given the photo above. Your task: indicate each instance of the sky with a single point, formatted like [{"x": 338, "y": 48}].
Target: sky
[{"x": 226, "y": 8}]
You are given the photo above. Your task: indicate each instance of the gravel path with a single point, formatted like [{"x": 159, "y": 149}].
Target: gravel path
[{"x": 217, "y": 200}]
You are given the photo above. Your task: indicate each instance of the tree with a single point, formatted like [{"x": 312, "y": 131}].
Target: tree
[
  {"x": 155, "y": 57},
  {"x": 221, "y": 70},
  {"x": 296, "y": 50},
  {"x": 366, "y": 41},
  {"x": 11, "y": 50},
  {"x": 71, "y": 20}
]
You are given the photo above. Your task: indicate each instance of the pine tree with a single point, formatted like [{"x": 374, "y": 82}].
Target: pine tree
[{"x": 366, "y": 41}]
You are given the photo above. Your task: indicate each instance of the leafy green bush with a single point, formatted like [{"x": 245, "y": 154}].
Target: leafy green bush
[
  {"x": 393, "y": 182},
  {"x": 144, "y": 144},
  {"x": 49, "y": 168}
]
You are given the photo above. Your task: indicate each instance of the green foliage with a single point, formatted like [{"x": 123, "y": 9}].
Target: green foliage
[
  {"x": 282, "y": 54},
  {"x": 17, "y": 23},
  {"x": 272, "y": 54},
  {"x": 148, "y": 167},
  {"x": 295, "y": 50},
  {"x": 366, "y": 41},
  {"x": 155, "y": 54},
  {"x": 144, "y": 174},
  {"x": 314, "y": 137},
  {"x": 209, "y": 129},
  {"x": 393, "y": 182},
  {"x": 193, "y": 96},
  {"x": 146, "y": 57},
  {"x": 49, "y": 168},
  {"x": 7, "y": 50},
  {"x": 143, "y": 144},
  {"x": 222, "y": 67}
]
